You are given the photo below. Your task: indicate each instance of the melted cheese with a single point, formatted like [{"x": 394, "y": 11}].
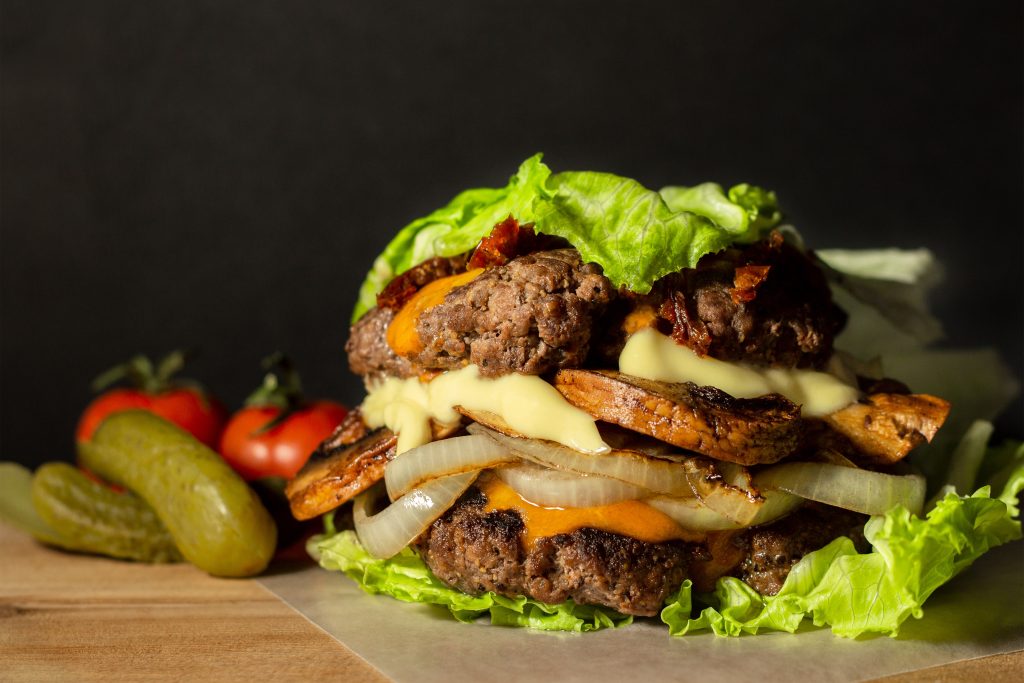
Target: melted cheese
[
  {"x": 652, "y": 355},
  {"x": 402, "y": 335},
  {"x": 631, "y": 518},
  {"x": 527, "y": 403}
]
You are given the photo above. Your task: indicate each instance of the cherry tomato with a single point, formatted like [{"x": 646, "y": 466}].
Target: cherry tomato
[
  {"x": 154, "y": 388},
  {"x": 187, "y": 407},
  {"x": 278, "y": 429},
  {"x": 284, "y": 448}
]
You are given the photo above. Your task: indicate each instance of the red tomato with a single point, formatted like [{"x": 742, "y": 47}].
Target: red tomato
[
  {"x": 186, "y": 407},
  {"x": 284, "y": 448}
]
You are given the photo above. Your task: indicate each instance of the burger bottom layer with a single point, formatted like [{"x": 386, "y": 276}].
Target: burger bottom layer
[{"x": 476, "y": 551}]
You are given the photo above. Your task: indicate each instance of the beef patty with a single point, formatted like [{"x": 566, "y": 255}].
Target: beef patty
[
  {"x": 531, "y": 315},
  {"x": 768, "y": 304},
  {"x": 369, "y": 354},
  {"x": 476, "y": 551}
]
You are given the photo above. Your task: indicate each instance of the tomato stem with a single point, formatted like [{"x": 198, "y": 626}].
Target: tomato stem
[
  {"x": 140, "y": 372},
  {"x": 281, "y": 389}
]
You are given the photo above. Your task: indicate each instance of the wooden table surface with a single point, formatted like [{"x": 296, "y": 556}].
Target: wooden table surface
[{"x": 80, "y": 618}]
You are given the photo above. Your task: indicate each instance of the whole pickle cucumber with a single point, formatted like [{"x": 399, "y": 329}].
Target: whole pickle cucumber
[
  {"x": 99, "y": 519},
  {"x": 216, "y": 520},
  {"x": 16, "y": 506}
]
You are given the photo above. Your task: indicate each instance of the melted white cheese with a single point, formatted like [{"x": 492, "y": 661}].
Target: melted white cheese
[
  {"x": 652, "y": 355},
  {"x": 527, "y": 403}
]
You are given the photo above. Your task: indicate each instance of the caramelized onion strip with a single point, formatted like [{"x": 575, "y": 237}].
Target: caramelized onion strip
[
  {"x": 439, "y": 458},
  {"x": 396, "y": 526},
  {"x": 652, "y": 473}
]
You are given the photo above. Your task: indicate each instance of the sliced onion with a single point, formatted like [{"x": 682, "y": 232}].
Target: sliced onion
[
  {"x": 438, "y": 458},
  {"x": 387, "y": 532},
  {"x": 872, "y": 493},
  {"x": 712, "y": 483},
  {"x": 738, "y": 476},
  {"x": 833, "y": 457},
  {"x": 562, "y": 488},
  {"x": 654, "y": 474},
  {"x": 691, "y": 513},
  {"x": 777, "y": 504}
]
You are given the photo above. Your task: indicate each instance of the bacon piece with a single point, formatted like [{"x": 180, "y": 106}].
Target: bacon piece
[{"x": 507, "y": 240}]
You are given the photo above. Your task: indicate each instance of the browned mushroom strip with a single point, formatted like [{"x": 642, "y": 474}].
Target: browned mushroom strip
[
  {"x": 748, "y": 431},
  {"x": 337, "y": 472},
  {"x": 703, "y": 419},
  {"x": 347, "y": 463},
  {"x": 885, "y": 427}
]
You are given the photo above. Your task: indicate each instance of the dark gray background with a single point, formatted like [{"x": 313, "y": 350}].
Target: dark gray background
[{"x": 221, "y": 174}]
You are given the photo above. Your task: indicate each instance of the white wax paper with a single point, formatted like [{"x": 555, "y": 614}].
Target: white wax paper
[{"x": 979, "y": 613}]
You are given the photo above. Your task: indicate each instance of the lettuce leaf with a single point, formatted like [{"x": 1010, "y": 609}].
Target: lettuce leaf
[
  {"x": 746, "y": 211},
  {"x": 637, "y": 235},
  {"x": 884, "y": 293},
  {"x": 407, "y": 578},
  {"x": 856, "y": 593}
]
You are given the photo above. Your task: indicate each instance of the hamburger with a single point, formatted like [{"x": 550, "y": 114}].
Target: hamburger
[{"x": 589, "y": 401}]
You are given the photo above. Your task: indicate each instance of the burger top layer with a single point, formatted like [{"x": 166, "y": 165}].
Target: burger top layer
[{"x": 766, "y": 304}]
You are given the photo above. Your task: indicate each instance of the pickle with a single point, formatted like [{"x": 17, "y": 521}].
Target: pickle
[
  {"x": 16, "y": 506},
  {"x": 98, "y": 519},
  {"x": 215, "y": 519}
]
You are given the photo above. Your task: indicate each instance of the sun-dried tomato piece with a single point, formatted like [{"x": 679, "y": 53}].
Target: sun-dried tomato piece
[
  {"x": 507, "y": 240},
  {"x": 687, "y": 327},
  {"x": 746, "y": 281}
]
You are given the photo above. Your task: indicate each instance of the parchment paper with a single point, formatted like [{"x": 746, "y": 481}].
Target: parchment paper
[{"x": 980, "y": 613}]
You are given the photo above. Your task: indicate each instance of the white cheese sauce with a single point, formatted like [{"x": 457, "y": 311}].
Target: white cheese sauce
[
  {"x": 527, "y": 403},
  {"x": 654, "y": 356}
]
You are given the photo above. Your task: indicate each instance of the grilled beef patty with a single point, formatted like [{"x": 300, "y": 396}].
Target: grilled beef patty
[
  {"x": 767, "y": 304},
  {"x": 369, "y": 354},
  {"x": 475, "y": 552},
  {"x": 531, "y": 315},
  {"x": 772, "y": 550}
]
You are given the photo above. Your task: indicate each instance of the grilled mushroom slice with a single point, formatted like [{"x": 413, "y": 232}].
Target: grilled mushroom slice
[
  {"x": 885, "y": 427},
  {"x": 746, "y": 431},
  {"x": 346, "y": 464}
]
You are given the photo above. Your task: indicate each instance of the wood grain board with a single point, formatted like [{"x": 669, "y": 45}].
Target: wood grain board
[{"x": 67, "y": 617}]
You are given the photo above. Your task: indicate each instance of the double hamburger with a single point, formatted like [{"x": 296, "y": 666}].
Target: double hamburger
[{"x": 582, "y": 390}]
